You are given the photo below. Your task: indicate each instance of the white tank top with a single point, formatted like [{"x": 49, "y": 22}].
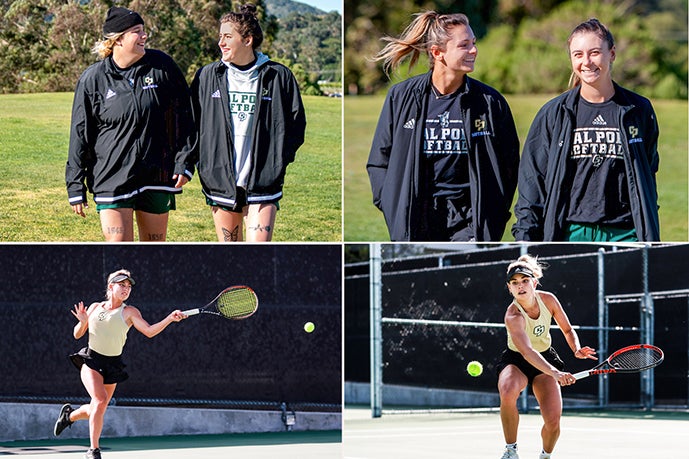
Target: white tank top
[
  {"x": 107, "y": 330},
  {"x": 538, "y": 330}
]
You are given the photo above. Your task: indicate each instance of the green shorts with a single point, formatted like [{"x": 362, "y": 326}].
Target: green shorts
[
  {"x": 584, "y": 232},
  {"x": 153, "y": 202}
]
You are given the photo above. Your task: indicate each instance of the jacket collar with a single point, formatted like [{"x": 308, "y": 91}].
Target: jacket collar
[{"x": 621, "y": 97}]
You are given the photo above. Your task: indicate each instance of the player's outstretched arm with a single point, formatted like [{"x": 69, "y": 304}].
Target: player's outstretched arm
[{"x": 133, "y": 316}]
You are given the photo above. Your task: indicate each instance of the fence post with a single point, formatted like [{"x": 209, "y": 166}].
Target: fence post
[
  {"x": 603, "y": 383},
  {"x": 376, "y": 329}
]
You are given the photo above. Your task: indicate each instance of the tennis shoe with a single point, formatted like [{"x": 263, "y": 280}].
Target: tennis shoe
[
  {"x": 510, "y": 453},
  {"x": 93, "y": 453},
  {"x": 63, "y": 420}
]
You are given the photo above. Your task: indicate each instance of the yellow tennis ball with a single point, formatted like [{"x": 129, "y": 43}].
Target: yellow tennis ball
[
  {"x": 474, "y": 368},
  {"x": 309, "y": 327}
]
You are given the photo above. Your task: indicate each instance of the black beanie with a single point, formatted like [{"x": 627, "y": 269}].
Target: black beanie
[{"x": 120, "y": 19}]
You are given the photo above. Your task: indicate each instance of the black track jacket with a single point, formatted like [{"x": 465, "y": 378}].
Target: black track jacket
[
  {"x": 277, "y": 133},
  {"x": 393, "y": 163},
  {"x": 126, "y": 139},
  {"x": 541, "y": 208}
]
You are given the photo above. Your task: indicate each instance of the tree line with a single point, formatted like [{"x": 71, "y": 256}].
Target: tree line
[
  {"x": 46, "y": 44},
  {"x": 522, "y": 44}
]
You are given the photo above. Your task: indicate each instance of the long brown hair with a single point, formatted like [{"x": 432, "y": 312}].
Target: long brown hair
[{"x": 426, "y": 30}]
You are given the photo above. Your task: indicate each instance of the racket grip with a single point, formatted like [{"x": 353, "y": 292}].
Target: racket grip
[
  {"x": 581, "y": 375},
  {"x": 191, "y": 312}
]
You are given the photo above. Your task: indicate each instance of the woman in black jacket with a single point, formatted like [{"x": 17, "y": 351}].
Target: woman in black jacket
[
  {"x": 132, "y": 133},
  {"x": 588, "y": 169},
  {"x": 251, "y": 122},
  {"x": 444, "y": 158}
]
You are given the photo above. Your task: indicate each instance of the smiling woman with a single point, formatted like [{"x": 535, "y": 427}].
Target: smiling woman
[
  {"x": 131, "y": 134},
  {"x": 610, "y": 161},
  {"x": 434, "y": 130}
]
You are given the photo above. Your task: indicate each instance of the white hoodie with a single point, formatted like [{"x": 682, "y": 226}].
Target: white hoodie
[{"x": 242, "y": 86}]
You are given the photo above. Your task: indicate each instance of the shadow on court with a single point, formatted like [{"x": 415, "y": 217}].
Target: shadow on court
[
  {"x": 291, "y": 445},
  {"x": 479, "y": 436}
]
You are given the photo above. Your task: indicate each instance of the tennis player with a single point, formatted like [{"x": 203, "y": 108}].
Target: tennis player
[
  {"x": 251, "y": 121},
  {"x": 100, "y": 364},
  {"x": 529, "y": 357},
  {"x": 588, "y": 169},
  {"x": 444, "y": 157},
  {"x": 132, "y": 133}
]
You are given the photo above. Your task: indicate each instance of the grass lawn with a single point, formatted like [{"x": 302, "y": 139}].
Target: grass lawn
[
  {"x": 364, "y": 223},
  {"x": 34, "y": 139}
]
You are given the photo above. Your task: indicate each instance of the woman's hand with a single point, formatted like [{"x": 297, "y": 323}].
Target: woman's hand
[
  {"x": 79, "y": 209},
  {"x": 80, "y": 312},
  {"x": 181, "y": 180},
  {"x": 564, "y": 378},
  {"x": 177, "y": 315},
  {"x": 586, "y": 353}
]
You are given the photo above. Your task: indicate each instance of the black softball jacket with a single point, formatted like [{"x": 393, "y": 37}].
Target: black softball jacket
[
  {"x": 278, "y": 131},
  {"x": 126, "y": 139},
  {"x": 541, "y": 207},
  {"x": 394, "y": 161}
]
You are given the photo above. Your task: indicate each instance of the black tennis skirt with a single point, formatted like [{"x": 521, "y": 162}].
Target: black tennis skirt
[
  {"x": 111, "y": 368},
  {"x": 510, "y": 357}
]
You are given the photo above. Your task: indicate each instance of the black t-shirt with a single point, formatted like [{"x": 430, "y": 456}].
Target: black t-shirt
[
  {"x": 599, "y": 192},
  {"x": 445, "y": 157}
]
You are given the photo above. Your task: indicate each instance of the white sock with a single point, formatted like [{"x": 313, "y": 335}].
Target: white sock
[
  {"x": 511, "y": 446},
  {"x": 545, "y": 455}
]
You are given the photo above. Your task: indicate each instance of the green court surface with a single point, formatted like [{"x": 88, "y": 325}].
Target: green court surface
[
  {"x": 479, "y": 436},
  {"x": 283, "y": 445}
]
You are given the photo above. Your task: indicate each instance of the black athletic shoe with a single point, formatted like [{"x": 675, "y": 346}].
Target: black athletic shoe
[
  {"x": 93, "y": 453},
  {"x": 63, "y": 420}
]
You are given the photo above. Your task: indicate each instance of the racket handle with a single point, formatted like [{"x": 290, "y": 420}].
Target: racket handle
[
  {"x": 191, "y": 312},
  {"x": 581, "y": 375}
]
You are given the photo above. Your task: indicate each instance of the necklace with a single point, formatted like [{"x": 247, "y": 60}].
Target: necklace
[{"x": 436, "y": 93}]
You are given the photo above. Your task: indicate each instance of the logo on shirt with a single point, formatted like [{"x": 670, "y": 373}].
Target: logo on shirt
[
  {"x": 538, "y": 330},
  {"x": 633, "y": 132},
  {"x": 110, "y": 94},
  {"x": 444, "y": 119},
  {"x": 599, "y": 121},
  {"x": 480, "y": 126},
  {"x": 148, "y": 83},
  {"x": 216, "y": 94},
  {"x": 102, "y": 316},
  {"x": 410, "y": 124}
]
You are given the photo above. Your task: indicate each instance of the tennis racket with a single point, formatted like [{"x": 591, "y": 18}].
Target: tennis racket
[
  {"x": 630, "y": 359},
  {"x": 238, "y": 302}
]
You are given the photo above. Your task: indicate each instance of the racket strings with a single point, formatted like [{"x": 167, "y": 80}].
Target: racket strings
[
  {"x": 237, "y": 303},
  {"x": 636, "y": 358}
]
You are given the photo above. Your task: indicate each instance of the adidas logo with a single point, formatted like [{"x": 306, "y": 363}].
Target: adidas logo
[
  {"x": 599, "y": 121},
  {"x": 410, "y": 124},
  {"x": 216, "y": 94},
  {"x": 110, "y": 94}
]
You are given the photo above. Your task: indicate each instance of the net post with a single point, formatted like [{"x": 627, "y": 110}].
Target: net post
[{"x": 376, "y": 330}]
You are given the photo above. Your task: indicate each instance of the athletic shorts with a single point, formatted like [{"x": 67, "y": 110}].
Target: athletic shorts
[
  {"x": 510, "y": 357},
  {"x": 152, "y": 202},
  {"x": 111, "y": 368},
  {"x": 240, "y": 202},
  {"x": 584, "y": 232}
]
